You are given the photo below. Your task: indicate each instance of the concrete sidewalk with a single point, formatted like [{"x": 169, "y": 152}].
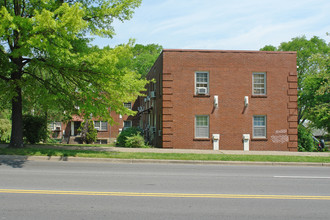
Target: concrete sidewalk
[{"x": 235, "y": 152}]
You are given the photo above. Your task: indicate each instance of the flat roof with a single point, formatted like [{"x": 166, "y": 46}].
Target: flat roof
[{"x": 225, "y": 51}]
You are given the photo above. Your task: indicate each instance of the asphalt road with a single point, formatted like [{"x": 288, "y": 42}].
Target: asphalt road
[{"x": 75, "y": 190}]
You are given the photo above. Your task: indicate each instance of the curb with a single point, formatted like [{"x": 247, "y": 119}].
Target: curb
[{"x": 144, "y": 161}]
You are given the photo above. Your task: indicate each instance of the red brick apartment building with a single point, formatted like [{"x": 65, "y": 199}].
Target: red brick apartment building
[
  {"x": 226, "y": 100},
  {"x": 106, "y": 133}
]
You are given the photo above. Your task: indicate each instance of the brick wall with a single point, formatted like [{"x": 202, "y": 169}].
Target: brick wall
[{"x": 230, "y": 78}]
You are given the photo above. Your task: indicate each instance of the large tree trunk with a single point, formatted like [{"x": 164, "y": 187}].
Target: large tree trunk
[{"x": 16, "y": 140}]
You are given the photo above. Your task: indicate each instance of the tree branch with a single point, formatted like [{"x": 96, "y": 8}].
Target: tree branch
[
  {"x": 5, "y": 78},
  {"x": 89, "y": 18},
  {"x": 10, "y": 45},
  {"x": 301, "y": 118},
  {"x": 17, "y": 7},
  {"x": 66, "y": 78},
  {"x": 47, "y": 84},
  {"x": 23, "y": 9},
  {"x": 88, "y": 72},
  {"x": 26, "y": 60}
]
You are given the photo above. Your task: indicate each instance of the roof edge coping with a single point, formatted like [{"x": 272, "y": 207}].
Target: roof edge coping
[{"x": 225, "y": 51}]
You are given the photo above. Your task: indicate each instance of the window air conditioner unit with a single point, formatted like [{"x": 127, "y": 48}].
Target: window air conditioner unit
[
  {"x": 202, "y": 90},
  {"x": 58, "y": 128},
  {"x": 153, "y": 94}
]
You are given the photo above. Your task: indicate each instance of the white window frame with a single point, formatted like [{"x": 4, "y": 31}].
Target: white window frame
[
  {"x": 207, "y": 83},
  {"x": 126, "y": 105},
  {"x": 130, "y": 122},
  {"x": 55, "y": 124},
  {"x": 259, "y": 126},
  {"x": 102, "y": 124},
  {"x": 264, "y": 84},
  {"x": 202, "y": 127}
]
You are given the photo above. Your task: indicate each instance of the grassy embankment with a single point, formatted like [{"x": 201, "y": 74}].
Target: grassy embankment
[{"x": 56, "y": 150}]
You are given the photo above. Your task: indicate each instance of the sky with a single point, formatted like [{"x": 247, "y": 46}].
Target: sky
[{"x": 222, "y": 24}]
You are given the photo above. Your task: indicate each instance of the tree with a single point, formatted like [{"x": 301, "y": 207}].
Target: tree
[
  {"x": 269, "y": 48},
  {"x": 145, "y": 57},
  {"x": 316, "y": 91},
  {"x": 88, "y": 132},
  {"x": 313, "y": 77},
  {"x": 46, "y": 58}
]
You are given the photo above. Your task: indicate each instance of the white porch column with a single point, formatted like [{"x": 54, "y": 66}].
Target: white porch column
[{"x": 72, "y": 128}]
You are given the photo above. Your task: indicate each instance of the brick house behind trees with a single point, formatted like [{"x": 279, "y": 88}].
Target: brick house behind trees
[
  {"x": 106, "y": 133},
  {"x": 227, "y": 100}
]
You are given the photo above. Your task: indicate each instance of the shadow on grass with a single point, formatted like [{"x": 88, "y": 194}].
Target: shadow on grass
[{"x": 16, "y": 157}]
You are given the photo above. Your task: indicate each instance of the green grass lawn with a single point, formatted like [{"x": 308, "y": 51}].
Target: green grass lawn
[
  {"x": 75, "y": 145},
  {"x": 40, "y": 151}
]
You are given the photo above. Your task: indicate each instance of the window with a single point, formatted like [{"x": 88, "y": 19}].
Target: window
[
  {"x": 259, "y": 83},
  {"x": 127, "y": 124},
  {"x": 101, "y": 125},
  {"x": 202, "y": 126},
  {"x": 55, "y": 126},
  {"x": 201, "y": 82},
  {"x": 259, "y": 126},
  {"x": 128, "y": 105},
  {"x": 101, "y": 141}
]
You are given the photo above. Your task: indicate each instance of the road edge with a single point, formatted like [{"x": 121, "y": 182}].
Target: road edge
[{"x": 140, "y": 161}]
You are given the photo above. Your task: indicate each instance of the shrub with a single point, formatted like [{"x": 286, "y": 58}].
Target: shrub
[
  {"x": 305, "y": 139},
  {"x": 135, "y": 141},
  {"x": 5, "y": 126},
  {"x": 5, "y": 129},
  {"x": 53, "y": 141},
  {"x": 128, "y": 132},
  {"x": 88, "y": 132},
  {"x": 35, "y": 128}
]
